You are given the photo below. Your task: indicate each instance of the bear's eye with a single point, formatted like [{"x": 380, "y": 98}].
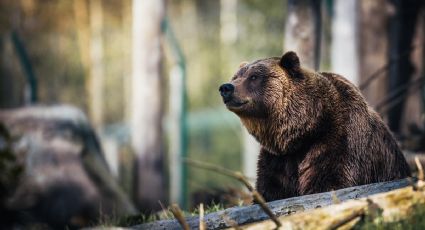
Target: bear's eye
[{"x": 253, "y": 77}]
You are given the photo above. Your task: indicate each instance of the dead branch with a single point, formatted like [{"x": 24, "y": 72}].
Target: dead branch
[
  {"x": 201, "y": 217},
  {"x": 258, "y": 198},
  {"x": 177, "y": 212}
]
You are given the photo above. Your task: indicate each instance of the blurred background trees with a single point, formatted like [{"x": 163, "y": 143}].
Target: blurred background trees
[{"x": 113, "y": 60}]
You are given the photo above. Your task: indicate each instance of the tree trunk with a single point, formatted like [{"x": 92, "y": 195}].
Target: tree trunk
[
  {"x": 303, "y": 31},
  {"x": 401, "y": 32},
  {"x": 147, "y": 101},
  {"x": 373, "y": 45},
  {"x": 250, "y": 155},
  {"x": 96, "y": 62},
  {"x": 178, "y": 185},
  {"x": 89, "y": 22},
  {"x": 344, "y": 58},
  {"x": 12, "y": 80}
]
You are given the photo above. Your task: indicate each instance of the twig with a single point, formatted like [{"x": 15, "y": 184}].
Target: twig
[
  {"x": 398, "y": 92},
  {"x": 177, "y": 212},
  {"x": 420, "y": 169},
  {"x": 335, "y": 199},
  {"x": 164, "y": 210},
  {"x": 373, "y": 76},
  {"x": 239, "y": 176},
  {"x": 201, "y": 217},
  {"x": 373, "y": 209},
  {"x": 398, "y": 99},
  {"x": 260, "y": 200},
  {"x": 343, "y": 221},
  {"x": 384, "y": 68},
  {"x": 230, "y": 222}
]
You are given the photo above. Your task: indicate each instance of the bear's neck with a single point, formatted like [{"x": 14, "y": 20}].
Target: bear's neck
[{"x": 283, "y": 136}]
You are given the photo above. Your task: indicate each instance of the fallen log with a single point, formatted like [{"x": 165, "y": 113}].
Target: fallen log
[
  {"x": 401, "y": 206},
  {"x": 253, "y": 213}
]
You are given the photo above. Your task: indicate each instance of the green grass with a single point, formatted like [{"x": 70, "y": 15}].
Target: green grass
[{"x": 127, "y": 221}]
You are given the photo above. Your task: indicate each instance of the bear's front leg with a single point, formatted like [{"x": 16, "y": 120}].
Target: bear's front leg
[{"x": 277, "y": 176}]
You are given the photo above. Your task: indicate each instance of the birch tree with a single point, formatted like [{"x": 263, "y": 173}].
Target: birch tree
[
  {"x": 303, "y": 31},
  {"x": 147, "y": 101},
  {"x": 344, "y": 58}
]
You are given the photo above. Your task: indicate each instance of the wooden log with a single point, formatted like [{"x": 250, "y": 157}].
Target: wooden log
[
  {"x": 387, "y": 207},
  {"x": 253, "y": 213}
]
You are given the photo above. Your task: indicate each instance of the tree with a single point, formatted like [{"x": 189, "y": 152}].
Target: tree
[
  {"x": 303, "y": 31},
  {"x": 344, "y": 58},
  {"x": 402, "y": 27},
  {"x": 147, "y": 101},
  {"x": 96, "y": 63},
  {"x": 373, "y": 45},
  {"x": 89, "y": 23}
]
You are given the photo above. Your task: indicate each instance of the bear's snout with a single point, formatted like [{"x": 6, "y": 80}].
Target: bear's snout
[{"x": 226, "y": 91}]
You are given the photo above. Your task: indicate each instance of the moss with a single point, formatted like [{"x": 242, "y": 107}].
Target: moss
[{"x": 413, "y": 221}]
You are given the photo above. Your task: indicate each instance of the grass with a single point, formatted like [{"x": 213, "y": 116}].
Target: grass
[
  {"x": 414, "y": 221},
  {"x": 127, "y": 221}
]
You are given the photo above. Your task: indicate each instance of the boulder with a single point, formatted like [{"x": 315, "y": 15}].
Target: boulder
[{"x": 64, "y": 180}]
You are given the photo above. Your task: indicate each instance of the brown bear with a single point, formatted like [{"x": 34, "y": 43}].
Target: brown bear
[{"x": 316, "y": 131}]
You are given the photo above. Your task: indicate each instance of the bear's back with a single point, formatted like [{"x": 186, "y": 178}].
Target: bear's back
[{"x": 369, "y": 141}]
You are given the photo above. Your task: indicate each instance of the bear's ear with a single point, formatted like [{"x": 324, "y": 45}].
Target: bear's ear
[
  {"x": 244, "y": 63},
  {"x": 291, "y": 63}
]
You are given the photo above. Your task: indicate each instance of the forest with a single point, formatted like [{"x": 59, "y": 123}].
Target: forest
[{"x": 111, "y": 115}]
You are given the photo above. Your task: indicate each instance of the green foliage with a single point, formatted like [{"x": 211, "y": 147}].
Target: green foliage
[
  {"x": 127, "y": 221},
  {"x": 209, "y": 209},
  {"x": 415, "y": 221}
]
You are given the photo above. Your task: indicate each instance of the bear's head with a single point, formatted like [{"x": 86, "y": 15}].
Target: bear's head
[{"x": 276, "y": 100}]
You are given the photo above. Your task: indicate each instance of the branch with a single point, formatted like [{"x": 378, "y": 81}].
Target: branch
[
  {"x": 177, "y": 212},
  {"x": 239, "y": 176}
]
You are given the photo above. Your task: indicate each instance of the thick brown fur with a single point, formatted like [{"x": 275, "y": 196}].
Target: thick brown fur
[{"x": 316, "y": 131}]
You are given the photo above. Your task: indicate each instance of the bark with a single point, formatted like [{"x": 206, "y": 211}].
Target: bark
[
  {"x": 303, "y": 31},
  {"x": 81, "y": 17},
  {"x": 344, "y": 57},
  {"x": 177, "y": 107},
  {"x": 147, "y": 101},
  {"x": 401, "y": 33},
  {"x": 249, "y": 214},
  {"x": 12, "y": 80},
  {"x": 373, "y": 45},
  {"x": 388, "y": 207},
  {"x": 89, "y": 23},
  {"x": 96, "y": 64},
  {"x": 250, "y": 155}
]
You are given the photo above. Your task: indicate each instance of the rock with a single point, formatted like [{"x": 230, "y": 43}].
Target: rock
[{"x": 65, "y": 179}]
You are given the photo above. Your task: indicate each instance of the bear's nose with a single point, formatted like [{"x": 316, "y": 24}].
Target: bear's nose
[{"x": 226, "y": 91}]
